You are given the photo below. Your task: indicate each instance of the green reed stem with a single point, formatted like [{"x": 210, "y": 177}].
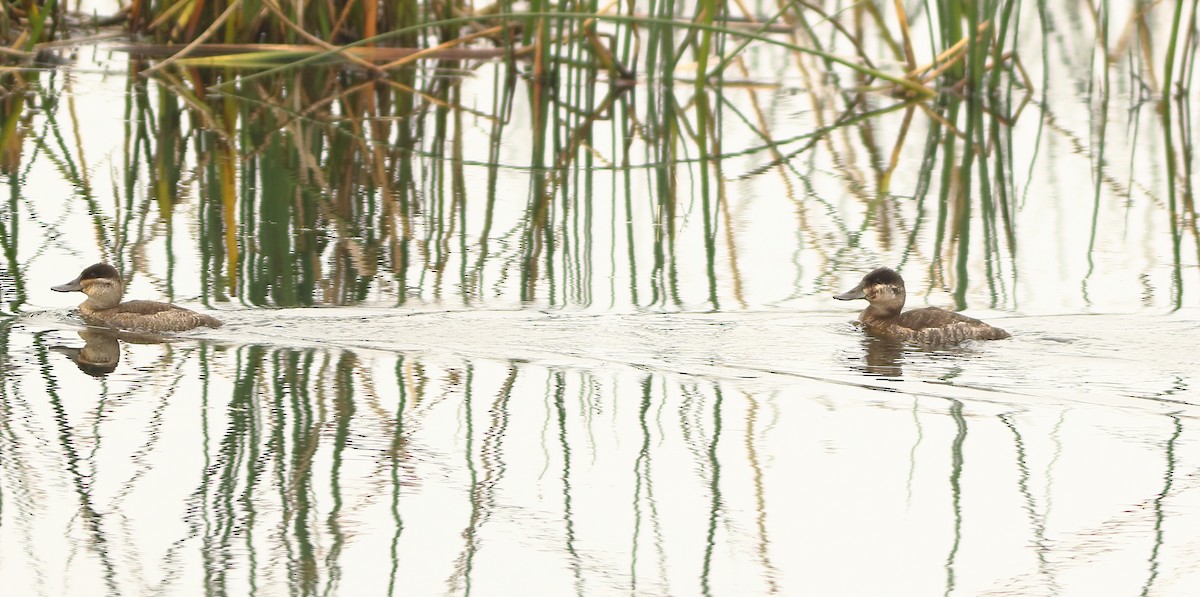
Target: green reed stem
[
  {"x": 1100, "y": 124},
  {"x": 1169, "y": 148}
]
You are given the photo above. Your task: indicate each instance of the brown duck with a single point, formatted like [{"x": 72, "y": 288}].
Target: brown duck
[
  {"x": 104, "y": 289},
  {"x": 884, "y": 291}
]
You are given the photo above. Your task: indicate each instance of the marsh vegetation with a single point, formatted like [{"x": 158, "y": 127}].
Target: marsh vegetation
[
  {"x": 387, "y": 132},
  {"x": 582, "y": 257}
]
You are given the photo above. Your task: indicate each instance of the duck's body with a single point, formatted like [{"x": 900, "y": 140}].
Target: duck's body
[
  {"x": 884, "y": 291},
  {"x": 104, "y": 289}
]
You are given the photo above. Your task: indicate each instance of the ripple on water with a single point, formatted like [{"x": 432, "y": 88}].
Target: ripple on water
[{"x": 1096, "y": 357}]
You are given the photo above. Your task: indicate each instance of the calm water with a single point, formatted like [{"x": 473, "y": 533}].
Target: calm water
[{"x": 408, "y": 398}]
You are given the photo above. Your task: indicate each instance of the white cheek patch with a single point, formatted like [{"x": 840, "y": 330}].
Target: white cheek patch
[{"x": 881, "y": 293}]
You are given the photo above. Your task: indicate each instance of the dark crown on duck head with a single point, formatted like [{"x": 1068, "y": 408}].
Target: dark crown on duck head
[
  {"x": 99, "y": 270},
  {"x": 873, "y": 283},
  {"x": 883, "y": 275}
]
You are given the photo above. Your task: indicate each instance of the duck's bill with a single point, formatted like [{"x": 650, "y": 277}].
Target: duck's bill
[
  {"x": 849, "y": 295},
  {"x": 72, "y": 286}
]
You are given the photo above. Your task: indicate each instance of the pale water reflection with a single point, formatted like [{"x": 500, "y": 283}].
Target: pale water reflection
[
  {"x": 517, "y": 452},
  {"x": 588, "y": 346}
]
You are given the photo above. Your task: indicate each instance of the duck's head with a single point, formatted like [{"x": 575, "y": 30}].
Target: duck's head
[
  {"x": 101, "y": 283},
  {"x": 883, "y": 289}
]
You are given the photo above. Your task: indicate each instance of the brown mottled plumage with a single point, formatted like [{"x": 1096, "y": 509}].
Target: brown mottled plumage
[
  {"x": 104, "y": 289},
  {"x": 884, "y": 291}
]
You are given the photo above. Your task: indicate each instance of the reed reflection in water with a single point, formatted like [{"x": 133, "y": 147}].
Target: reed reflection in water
[
  {"x": 255, "y": 468},
  {"x": 642, "y": 451}
]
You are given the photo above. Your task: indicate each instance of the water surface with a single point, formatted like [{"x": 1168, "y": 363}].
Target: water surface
[{"x": 449, "y": 368}]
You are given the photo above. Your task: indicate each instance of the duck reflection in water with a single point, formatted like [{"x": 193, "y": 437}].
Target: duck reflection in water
[
  {"x": 101, "y": 350},
  {"x": 932, "y": 327},
  {"x": 104, "y": 289},
  {"x": 882, "y": 357}
]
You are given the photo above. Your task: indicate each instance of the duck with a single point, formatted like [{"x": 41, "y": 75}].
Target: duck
[
  {"x": 104, "y": 289},
  {"x": 883, "y": 289}
]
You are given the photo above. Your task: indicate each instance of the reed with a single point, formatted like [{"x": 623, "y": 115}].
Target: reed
[{"x": 319, "y": 184}]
